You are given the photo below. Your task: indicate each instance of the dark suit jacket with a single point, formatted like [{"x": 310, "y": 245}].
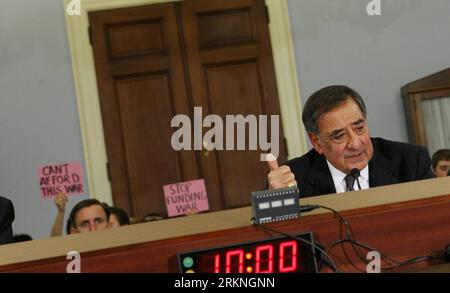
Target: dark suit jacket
[
  {"x": 6, "y": 219},
  {"x": 392, "y": 162}
]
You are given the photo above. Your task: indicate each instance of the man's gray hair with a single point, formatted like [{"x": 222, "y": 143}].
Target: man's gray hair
[{"x": 325, "y": 100}]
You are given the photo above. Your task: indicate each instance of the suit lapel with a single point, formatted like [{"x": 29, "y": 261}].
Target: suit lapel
[
  {"x": 320, "y": 177},
  {"x": 381, "y": 170}
]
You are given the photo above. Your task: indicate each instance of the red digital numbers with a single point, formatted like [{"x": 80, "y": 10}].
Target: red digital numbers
[
  {"x": 264, "y": 260},
  {"x": 290, "y": 246},
  {"x": 217, "y": 264},
  {"x": 267, "y": 251},
  {"x": 235, "y": 253}
]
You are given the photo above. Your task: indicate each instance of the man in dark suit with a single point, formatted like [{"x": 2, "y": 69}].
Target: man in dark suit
[
  {"x": 6, "y": 219},
  {"x": 345, "y": 157}
]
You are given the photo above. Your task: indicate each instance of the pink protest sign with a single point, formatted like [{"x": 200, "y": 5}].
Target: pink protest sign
[
  {"x": 57, "y": 178},
  {"x": 185, "y": 197}
]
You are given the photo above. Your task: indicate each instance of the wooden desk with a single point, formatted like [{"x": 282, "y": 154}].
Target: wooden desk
[{"x": 402, "y": 221}]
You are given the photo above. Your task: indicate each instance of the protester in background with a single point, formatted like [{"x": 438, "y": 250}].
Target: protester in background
[
  {"x": 117, "y": 217},
  {"x": 441, "y": 163},
  {"x": 89, "y": 215}
]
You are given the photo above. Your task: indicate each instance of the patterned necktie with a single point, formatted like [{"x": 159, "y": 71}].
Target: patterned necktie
[{"x": 349, "y": 182}]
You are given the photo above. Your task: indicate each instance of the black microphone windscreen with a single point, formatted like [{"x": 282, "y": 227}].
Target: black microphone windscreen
[{"x": 355, "y": 172}]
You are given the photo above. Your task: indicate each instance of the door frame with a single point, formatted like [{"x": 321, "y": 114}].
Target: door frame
[{"x": 88, "y": 98}]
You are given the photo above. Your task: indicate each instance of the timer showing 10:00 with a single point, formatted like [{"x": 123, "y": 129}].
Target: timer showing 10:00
[{"x": 275, "y": 255}]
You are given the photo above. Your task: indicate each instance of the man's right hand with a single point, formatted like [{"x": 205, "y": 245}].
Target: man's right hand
[{"x": 279, "y": 176}]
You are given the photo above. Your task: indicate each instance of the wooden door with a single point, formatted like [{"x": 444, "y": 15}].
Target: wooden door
[
  {"x": 154, "y": 62},
  {"x": 231, "y": 72},
  {"x": 141, "y": 83}
]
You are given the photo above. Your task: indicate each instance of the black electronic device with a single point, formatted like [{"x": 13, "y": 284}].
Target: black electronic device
[
  {"x": 275, "y": 205},
  {"x": 274, "y": 255}
]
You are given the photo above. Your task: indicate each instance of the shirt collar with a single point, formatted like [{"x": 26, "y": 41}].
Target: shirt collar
[{"x": 339, "y": 175}]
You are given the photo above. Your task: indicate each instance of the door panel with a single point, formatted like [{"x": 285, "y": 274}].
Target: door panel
[
  {"x": 141, "y": 82},
  {"x": 236, "y": 89},
  {"x": 231, "y": 72},
  {"x": 151, "y": 163},
  {"x": 227, "y": 27},
  {"x": 133, "y": 39}
]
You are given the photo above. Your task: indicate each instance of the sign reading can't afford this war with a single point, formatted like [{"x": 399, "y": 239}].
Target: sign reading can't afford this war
[
  {"x": 186, "y": 197},
  {"x": 57, "y": 178}
]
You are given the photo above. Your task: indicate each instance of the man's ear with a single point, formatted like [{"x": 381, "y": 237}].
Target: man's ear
[
  {"x": 73, "y": 230},
  {"x": 314, "y": 139}
]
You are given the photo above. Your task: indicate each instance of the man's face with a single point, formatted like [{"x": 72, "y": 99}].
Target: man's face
[
  {"x": 442, "y": 168},
  {"x": 92, "y": 218},
  {"x": 344, "y": 137}
]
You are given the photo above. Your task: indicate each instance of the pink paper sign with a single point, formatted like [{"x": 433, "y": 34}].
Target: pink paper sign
[
  {"x": 185, "y": 197},
  {"x": 57, "y": 178}
]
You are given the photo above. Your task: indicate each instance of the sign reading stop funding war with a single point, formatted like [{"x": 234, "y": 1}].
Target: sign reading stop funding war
[
  {"x": 66, "y": 178},
  {"x": 185, "y": 197}
]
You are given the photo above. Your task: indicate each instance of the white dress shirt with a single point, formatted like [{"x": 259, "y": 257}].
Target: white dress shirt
[{"x": 339, "y": 182}]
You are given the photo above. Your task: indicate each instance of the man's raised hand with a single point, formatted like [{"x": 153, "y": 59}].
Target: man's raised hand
[{"x": 279, "y": 176}]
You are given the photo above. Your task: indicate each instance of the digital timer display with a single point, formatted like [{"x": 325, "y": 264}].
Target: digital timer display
[{"x": 275, "y": 255}]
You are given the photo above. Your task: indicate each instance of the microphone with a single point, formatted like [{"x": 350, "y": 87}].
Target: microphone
[{"x": 355, "y": 173}]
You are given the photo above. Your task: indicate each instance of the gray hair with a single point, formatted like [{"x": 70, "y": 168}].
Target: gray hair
[{"x": 325, "y": 100}]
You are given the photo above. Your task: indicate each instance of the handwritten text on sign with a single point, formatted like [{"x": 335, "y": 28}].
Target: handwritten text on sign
[
  {"x": 185, "y": 197},
  {"x": 57, "y": 178}
]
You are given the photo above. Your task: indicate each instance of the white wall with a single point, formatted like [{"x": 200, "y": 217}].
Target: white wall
[
  {"x": 336, "y": 42},
  {"x": 38, "y": 113}
]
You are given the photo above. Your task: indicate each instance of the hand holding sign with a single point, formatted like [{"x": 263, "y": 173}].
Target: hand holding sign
[
  {"x": 60, "y": 201},
  {"x": 279, "y": 176}
]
